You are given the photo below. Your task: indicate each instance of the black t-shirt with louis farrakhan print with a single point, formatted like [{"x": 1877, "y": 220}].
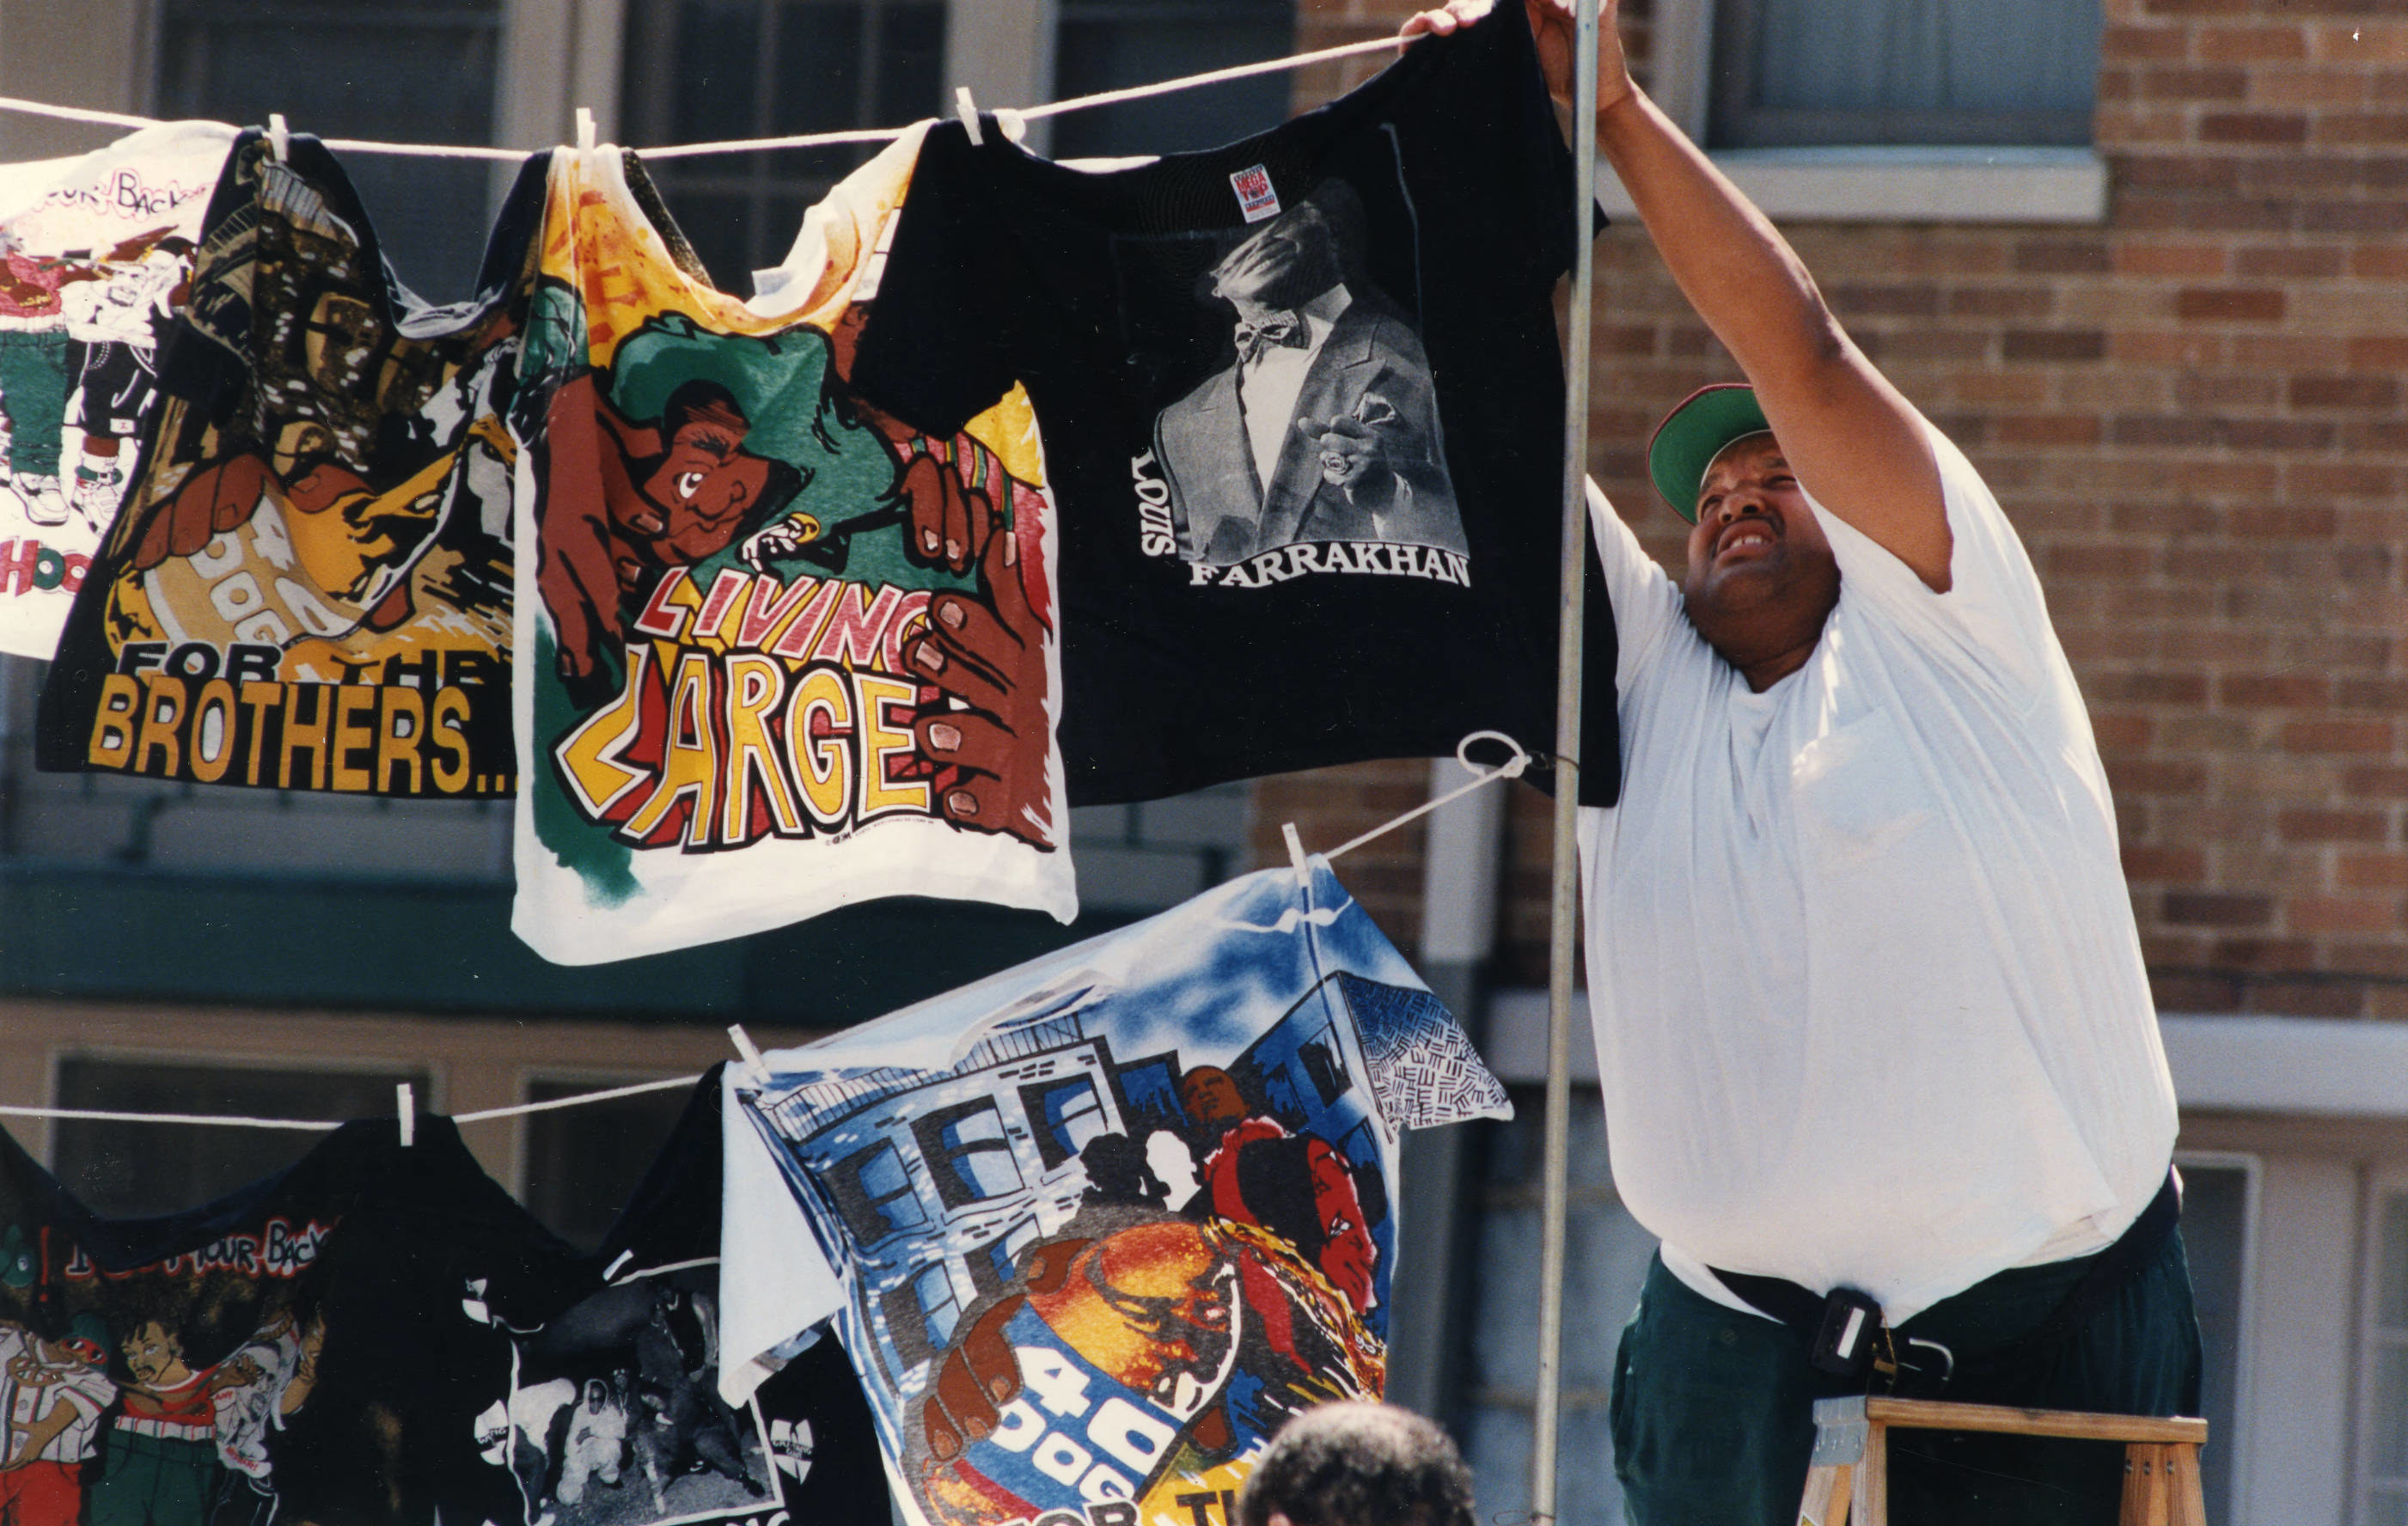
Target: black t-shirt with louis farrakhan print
[
  {"x": 300, "y": 1349},
  {"x": 1302, "y": 400}
]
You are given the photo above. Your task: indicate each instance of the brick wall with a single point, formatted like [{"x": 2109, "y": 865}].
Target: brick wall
[{"x": 2194, "y": 416}]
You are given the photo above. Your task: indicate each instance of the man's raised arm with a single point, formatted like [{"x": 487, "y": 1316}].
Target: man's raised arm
[{"x": 1851, "y": 439}]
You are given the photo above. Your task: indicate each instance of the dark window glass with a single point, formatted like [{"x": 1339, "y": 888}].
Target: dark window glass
[
  {"x": 2215, "y": 1231},
  {"x": 421, "y": 73},
  {"x": 939, "y": 1306},
  {"x": 907, "y": 1325},
  {"x": 583, "y": 1163},
  {"x": 1112, "y": 44},
  {"x": 701, "y": 71},
  {"x": 128, "y": 1170},
  {"x": 873, "y": 1191},
  {"x": 968, "y": 1154},
  {"x": 1065, "y": 1114},
  {"x": 1903, "y": 71},
  {"x": 1327, "y": 1071}
]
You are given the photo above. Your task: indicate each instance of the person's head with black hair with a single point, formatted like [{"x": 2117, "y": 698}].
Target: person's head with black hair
[{"x": 1359, "y": 1465}]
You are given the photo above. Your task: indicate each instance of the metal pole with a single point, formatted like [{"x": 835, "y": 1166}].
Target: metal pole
[{"x": 1564, "y": 909}]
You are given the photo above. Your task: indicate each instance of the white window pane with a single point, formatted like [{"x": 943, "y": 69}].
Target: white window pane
[{"x": 1893, "y": 72}]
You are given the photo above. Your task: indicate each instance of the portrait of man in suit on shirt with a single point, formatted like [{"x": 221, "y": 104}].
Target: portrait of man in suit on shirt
[{"x": 1324, "y": 426}]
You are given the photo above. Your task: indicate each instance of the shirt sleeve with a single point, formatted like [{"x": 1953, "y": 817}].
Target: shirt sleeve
[
  {"x": 774, "y": 1281},
  {"x": 90, "y": 1395},
  {"x": 937, "y": 347},
  {"x": 1646, "y": 606},
  {"x": 1993, "y": 622}
]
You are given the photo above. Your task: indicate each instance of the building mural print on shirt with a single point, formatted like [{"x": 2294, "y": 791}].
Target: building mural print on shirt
[
  {"x": 1314, "y": 445},
  {"x": 1091, "y": 1265}
]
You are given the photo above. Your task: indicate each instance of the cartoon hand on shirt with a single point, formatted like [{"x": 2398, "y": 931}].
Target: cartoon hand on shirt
[
  {"x": 981, "y": 1373},
  {"x": 952, "y": 519},
  {"x": 984, "y": 659},
  {"x": 209, "y": 503}
]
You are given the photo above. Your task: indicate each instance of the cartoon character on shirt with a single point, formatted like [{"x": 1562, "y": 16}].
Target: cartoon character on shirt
[
  {"x": 52, "y": 1394},
  {"x": 115, "y": 324},
  {"x": 255, "y": 1391},
  {"x": 160, "y": 1462},
  {"x": 1299, "y": 1187},
  {"x": 701, "y": 453},
  {"x": 1324, "y": 426}
]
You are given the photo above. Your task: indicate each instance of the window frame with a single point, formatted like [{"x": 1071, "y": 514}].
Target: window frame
[
  {"x": 1887, "y": 184},
  {"x": 956, "y": 1188}
]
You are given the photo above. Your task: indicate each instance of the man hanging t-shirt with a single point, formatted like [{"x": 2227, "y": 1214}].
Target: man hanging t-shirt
[
  {"x": 296, "y": 1350},
  {"x": 1093, "y": 1228},
  {"x": 1301, "y": 399},
  {"x": 613, "y": 1414},
  {"x": 309, "y": 585},
  {"x": 730, "y": 572},
  {"x": 93, "y": 255}
]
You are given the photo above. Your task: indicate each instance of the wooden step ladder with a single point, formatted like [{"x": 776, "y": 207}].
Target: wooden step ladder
[{"x": 1850, "y": 1469}]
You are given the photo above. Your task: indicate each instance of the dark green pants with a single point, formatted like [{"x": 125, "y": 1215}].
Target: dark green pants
[{"x": 1713, "y": 1410}]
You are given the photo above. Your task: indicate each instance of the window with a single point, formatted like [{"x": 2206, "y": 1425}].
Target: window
[
  {"x": 939, "y": 1307},
  {"x": 1608, "y": 1262},
  {"x": 968, "y": 1154},
  {"x": 131, "y": 1170},
  {"x": 1110, "y": 44},
  {"x": 1898, "y": 72},
  {"x": 1320, "y": 1060},
  {"x": 2383, "y": 1420},
  {"x": 704, "y": 71},
  {"x": 873, "y": 1191},
  {"x": 422, "y": 73},
  {"x": 1065, "y": 1114},
  {"x": 584, "y": 1163},
  {"x": 2218, "y": 1219}
]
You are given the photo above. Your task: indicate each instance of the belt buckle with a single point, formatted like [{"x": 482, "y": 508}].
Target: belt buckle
[{"x": 1853, "y": 1337}]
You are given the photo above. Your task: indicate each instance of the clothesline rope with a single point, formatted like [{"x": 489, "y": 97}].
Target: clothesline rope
[
  {"x": 1511, "y": 769},
  {"x": 321, "y": 1125},
  {"x": 755, "y": 145}
]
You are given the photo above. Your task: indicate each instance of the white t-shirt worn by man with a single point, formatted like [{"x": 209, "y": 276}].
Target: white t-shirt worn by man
[{"x": 1869, "y": 997}]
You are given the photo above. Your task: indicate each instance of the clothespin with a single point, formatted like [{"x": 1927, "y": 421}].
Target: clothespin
[
  {"x": 584, "y": 130},
  {"x": 753, "y": 1065},
  {"x": 1014, "y": 125},
  {"x": 279, "y": 138},
  {"x": 1295, "y": 854},
  {"x": 405, "y": 1104},
  {"x": 966, "y": 109}
]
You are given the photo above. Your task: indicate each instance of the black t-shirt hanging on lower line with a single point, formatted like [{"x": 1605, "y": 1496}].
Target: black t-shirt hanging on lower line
[{"x": 1302, "y": 402}]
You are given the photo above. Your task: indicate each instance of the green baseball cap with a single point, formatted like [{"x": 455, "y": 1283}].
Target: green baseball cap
[{"x": 1694, "y": 434}]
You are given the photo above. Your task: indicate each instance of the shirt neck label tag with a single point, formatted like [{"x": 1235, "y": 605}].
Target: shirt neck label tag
[{"x": 1256, "y": 198}]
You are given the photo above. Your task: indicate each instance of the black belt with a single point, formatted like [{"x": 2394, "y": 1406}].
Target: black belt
[{"x": 1851, "y": 1339}]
